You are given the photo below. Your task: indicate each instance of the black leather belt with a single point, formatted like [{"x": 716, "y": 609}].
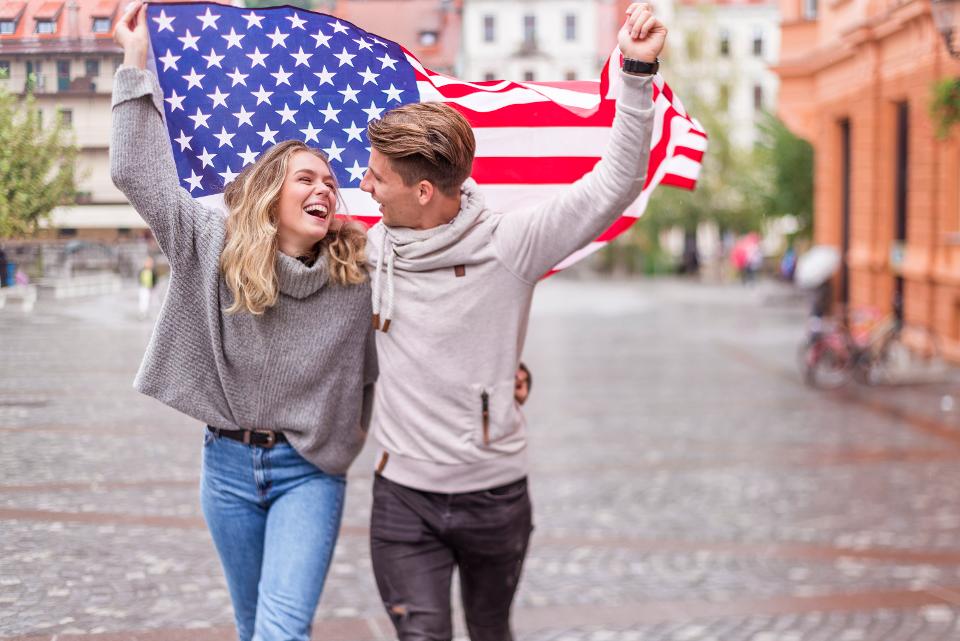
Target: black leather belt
[{"x": 260, "y": 438}]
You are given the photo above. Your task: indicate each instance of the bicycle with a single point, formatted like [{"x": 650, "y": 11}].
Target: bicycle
[{"x": 869, "y": 350}]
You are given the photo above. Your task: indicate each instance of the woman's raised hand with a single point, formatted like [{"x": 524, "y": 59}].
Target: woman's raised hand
[{"x": 131, "y": 34}]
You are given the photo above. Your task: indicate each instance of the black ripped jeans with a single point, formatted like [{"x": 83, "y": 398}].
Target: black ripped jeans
[{"x": 416, "y": 539}]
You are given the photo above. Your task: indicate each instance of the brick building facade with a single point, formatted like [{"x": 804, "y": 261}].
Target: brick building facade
[{"x": 856, "y": 81}]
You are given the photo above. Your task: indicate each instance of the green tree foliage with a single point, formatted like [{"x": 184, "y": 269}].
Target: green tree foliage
[
  {"x": 785, "y": 172},
  {"x": 37, "y": 166}
]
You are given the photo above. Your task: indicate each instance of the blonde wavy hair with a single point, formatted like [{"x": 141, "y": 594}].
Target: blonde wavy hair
[{"x": 248, "y": 261}]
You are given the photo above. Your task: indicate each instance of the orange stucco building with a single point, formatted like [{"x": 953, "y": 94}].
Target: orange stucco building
[{"x": 856, "y": 81}]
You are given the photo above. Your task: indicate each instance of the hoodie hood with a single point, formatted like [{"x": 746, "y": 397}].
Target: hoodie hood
[{"x": 420, "y": 250}]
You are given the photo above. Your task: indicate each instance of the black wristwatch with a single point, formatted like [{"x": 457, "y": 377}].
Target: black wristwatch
[{"x": 639, "y": 67}]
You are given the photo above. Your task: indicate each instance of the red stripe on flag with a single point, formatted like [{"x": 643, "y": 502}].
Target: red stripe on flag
[
  {"x": 617, "y": 228},
  {"x": 678, "y": 181},
  {"x": 539, "y": 114},
  {"x": 530, "y": 171}
]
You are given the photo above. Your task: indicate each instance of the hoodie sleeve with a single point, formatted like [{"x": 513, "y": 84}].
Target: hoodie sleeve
[
  {"x": 142, "y": 165},
  {"x": 532, "y": 241}
]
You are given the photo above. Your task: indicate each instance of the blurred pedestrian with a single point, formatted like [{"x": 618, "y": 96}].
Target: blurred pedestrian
[
  {"x": 452, "y": 286},
  {"x": 147, "y": 278},
  {"x": 3, "y": 268},
  {"x": 265, "y": 337}
]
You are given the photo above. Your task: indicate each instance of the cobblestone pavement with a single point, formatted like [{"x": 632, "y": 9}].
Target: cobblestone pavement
[{"x": 687, "y": 486}]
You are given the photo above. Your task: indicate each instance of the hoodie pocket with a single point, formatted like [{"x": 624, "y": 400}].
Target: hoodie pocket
[{"x": 495, "y": 411}]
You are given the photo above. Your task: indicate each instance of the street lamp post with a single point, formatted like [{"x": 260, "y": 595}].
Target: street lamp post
[{"x": 946, "y": 15}]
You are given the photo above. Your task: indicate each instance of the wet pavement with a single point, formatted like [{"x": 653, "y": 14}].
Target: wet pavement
[{"x": 686, "y": 485}]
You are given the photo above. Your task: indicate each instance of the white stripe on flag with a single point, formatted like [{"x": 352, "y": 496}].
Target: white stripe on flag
[{"x": 537, "y": 142}]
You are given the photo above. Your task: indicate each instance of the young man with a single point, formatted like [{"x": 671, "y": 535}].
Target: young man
[{"x": 452, "y": 287}]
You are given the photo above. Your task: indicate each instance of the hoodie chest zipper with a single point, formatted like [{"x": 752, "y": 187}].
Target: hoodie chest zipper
[{"x": 485, "y": 414}]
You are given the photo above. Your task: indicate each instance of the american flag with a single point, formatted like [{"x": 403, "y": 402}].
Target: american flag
[{"x": 236, "y": 81}]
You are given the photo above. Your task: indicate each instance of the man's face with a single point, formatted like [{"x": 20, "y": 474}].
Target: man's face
[{"x": 399, "y": 203}]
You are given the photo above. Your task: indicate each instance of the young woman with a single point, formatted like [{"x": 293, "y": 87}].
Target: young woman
[{"x": 265, "y": 337}]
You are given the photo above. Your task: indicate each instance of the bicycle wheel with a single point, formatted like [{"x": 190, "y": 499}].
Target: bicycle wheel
[
  {"x": 903, "y": 359},
  {"x": 824, "y": 366}
]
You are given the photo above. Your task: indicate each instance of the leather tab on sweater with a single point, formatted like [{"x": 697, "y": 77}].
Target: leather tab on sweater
[
  {"x": 460, "y": 271},
  {"x": 376, "y": 322},
  {"x": 383, "y": 462},
  {"x": 386, "y": 326}
]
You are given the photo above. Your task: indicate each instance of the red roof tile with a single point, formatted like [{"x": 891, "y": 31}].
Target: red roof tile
[
  {"x": 48, "y": 10},
  {"x": 11, "y": 10},
  {"x": 104, "y": 9}
]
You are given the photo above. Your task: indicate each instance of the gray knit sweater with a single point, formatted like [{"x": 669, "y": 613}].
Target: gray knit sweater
[{"x": 305, "y": 367}]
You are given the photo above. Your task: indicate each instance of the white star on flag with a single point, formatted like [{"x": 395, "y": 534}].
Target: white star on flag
[
  {"x": 189, "y": 42},
  {"x": 200, "y": 119},
  {"x": 164, "y": 23},
  {"x": 249, "y": 157},
  {"x": 322, "y": 40},
  {"x": 213, "y": 60},
  {"x": 296, "y": 22},
  {"x": 184, "y": 141},
  {"x": 225, "y": 139},
  {"x": 353, "y": 132},
  {"x": 206, "y": 158},
  {"x": 233, "y": 38},
  {"x": 176, "y": 102},
  {"x": 209, "y": 20},
  {"x": 219, "y": 98},
  {"x": 169, "y": 61},
  {"x": 278, "y": 39},
  {"x": 268, "y": 134},
  {"x": 310, "y": 134},
  {"x": 243, "y": 117}
]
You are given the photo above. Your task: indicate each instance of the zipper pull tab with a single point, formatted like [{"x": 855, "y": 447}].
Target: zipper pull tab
[{"x": 485, "y": 406}]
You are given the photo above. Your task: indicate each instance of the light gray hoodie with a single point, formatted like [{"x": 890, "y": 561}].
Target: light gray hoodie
[{"x": 458, "y": 300}]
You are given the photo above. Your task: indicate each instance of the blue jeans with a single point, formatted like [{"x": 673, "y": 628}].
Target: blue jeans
[{"x": 274, "y": 517}]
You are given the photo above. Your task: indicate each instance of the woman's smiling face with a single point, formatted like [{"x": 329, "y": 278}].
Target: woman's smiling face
[{"x": 307, "y": 202}]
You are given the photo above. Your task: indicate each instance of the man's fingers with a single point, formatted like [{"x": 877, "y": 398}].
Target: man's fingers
[
  {"x": 648, "y": 26},
  {"x": 640, "y": 18}
]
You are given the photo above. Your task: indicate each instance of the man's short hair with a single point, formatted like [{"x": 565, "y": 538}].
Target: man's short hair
[{"x": 426, "y": 141}]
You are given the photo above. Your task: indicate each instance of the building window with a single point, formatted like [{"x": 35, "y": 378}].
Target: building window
[
  {"x": 724, "y": 42},
  {"x": 809, "y": 9},
  {"x": 757, "y": 97},
  {"x": 723, "y": 97},
  {"x": 92, "y": 67},
  {"x": 8, "y": 27},
  {"x": 489, "y": 28},
  {"x": 428, "y": 38},
  {"x": 34, "y": 78},
  {"x": 570, "y": 75},
  {"x": 101, "y": 25},
  {"x": 63, "y": 75},
  {"x": 570, "y": 27},
  {"x": 529, "y": 29},
  {"x": 528, "y": 76},
  {"x": 758, "y": 41},
  {"x": 4, "y": 69},
  {"x": 46, "y": 26},
  {"x": 66, "y": 232},
  {"x": 66, "y": 117}
]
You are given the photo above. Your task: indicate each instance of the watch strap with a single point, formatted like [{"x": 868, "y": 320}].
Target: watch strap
[{"x": 634, "y": 66}]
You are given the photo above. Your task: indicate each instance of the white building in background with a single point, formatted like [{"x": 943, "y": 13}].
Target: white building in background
[
  {"x": 722, "y": 52},
  {"x": 530, "y": 40}
]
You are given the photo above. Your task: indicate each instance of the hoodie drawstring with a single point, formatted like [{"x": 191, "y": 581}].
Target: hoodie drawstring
[{"x": 388, "y": 305}]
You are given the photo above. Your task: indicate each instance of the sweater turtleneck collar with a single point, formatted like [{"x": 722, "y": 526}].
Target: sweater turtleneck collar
[{"x": 299, "y": 280}]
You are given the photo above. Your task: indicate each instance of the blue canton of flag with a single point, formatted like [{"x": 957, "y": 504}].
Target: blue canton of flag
[{"x": 236, "y": 82}]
